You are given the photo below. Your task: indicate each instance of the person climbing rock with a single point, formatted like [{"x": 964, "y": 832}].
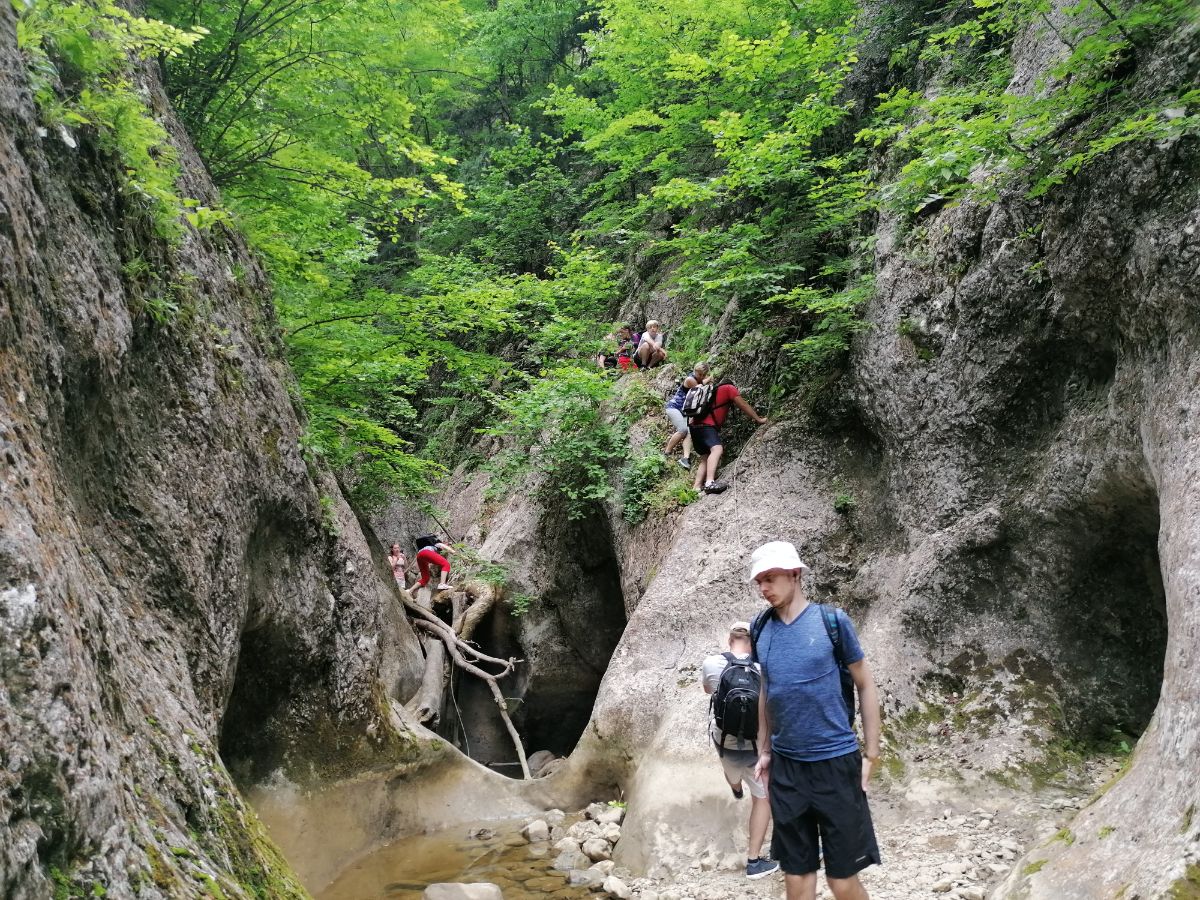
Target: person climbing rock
[
  {"x": 811, "y": 664},
  {"x": 429, "y": 557},
  {"x": 399, "y": 562},
  {"x": 707, "y": 413},
  {"x": 674, "y": 411},
  {"x": 650, "y": 349},
  {"x": 733, "y": 682}
]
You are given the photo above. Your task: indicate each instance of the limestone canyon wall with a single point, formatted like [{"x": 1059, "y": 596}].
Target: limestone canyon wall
[{"x": 175, "y": 581}]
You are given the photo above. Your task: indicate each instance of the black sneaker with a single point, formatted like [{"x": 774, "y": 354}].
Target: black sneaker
[
  {"x": 761, "y": 867},
  {"x": 737, "y": 791},
  {"x": 715, "y": 487}
]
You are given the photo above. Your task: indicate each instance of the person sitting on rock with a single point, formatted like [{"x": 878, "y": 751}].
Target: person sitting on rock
[
  {"x": 624, "y": 354},
  {"x": 674, "y": 411},
  {"x": 429, "y": 557},
  {"x": 399, "y": 562},
  {"x": 705, "y": 430},
  {"x": 735, "y": 740},
  {"x": 650, "y": 351}
]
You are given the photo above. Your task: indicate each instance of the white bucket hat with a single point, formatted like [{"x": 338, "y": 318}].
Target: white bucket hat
[{"x": 774, "y": 555}]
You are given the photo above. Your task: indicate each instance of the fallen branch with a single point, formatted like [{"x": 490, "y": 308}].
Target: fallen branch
[{"x": 455, "y": 647}]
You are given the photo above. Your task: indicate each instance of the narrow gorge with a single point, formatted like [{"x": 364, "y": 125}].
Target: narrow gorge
[{"x": 207, "y": 671}]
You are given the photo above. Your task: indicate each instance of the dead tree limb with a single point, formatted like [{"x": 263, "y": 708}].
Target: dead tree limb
[
  {"x": 427, "y": 704},
  {"x": 455, "y": 647}
]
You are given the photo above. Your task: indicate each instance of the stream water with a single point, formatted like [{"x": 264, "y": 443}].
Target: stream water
[{"x": 402, "y": 871}]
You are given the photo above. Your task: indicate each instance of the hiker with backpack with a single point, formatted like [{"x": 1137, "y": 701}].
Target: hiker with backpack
[
  {"x": 734, "y": 682},
  {"x": 812, "y": 665},
  {"x": 706, "y": 407},
  {"x": 429, "y": 557},
  {"x": 674, "y": 411}
]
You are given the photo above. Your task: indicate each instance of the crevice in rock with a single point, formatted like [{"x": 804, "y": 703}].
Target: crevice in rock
[{"x": 566, "y": 640}]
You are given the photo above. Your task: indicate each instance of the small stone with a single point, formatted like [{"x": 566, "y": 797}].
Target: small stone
[
  {"x": 617, "y": 888},
  {"x": 943, "y": 886},
  {"x": 554, "y": 817},
  {"x": 571, "y": 859},
  {"x": 584, "y": 878},
  {"x": 535, "y": 831},
  {"x": 596, "y": 849},
  {"x": 648, "y": 895},
  {"x": 581, "y": 831},
  {"x": 614, "y": 815},
  {"x": 971, "y": 893},
  {"x": 455, "y": 891},
  {"x": 604, "y": 867},
  {"x": 595, "y": 809},
  {"x": 567, "y": 843},
  {"x": 611, "y": 832}
]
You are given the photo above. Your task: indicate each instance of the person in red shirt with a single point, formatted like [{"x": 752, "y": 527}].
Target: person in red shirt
[{"x": 706, "y": 435}]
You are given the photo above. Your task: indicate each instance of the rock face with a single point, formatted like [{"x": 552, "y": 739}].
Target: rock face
[
  {"x": 1013, "y": 452},
  {"x": 179, "y": 593}
]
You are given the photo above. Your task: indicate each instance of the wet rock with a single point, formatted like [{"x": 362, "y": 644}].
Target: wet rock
[
  {"x": 457, "y": 891},
  {"x": 537, "y": 761},
  {"x": 554, "y": 817},
  {"x": 535, "y": 831},
  {"x": 611, "y": 832},
  {"x": 567, "y": 843},
  {"x": 584, "y": 878},
  {"x": 571, "y": 859},
  {"x": 604, "y": 867},
  {"x": 615, "y": 887},
  {"x": 594, "y": 810}
]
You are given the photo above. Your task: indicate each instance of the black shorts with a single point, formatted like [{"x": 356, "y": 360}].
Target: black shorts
[
  {"x": 704, "y": 438},
  {"x": 823, "y": 801}
]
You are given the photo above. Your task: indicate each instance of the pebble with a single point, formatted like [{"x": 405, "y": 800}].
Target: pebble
[
  {"x": 535, "y": 831},
  {"x": 615, "y": 887}
]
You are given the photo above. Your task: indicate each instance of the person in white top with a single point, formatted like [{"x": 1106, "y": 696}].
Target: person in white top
[
  {"x": 736, "y": 750},
  {"x": 650, "y": 351}
]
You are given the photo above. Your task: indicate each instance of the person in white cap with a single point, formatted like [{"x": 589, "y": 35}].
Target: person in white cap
[
  {"x": 734, "y": 683},
  {"x": 808, "y": 750}
]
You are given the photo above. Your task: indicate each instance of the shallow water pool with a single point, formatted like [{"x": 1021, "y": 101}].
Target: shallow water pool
[{"x": 402, "y": 870}]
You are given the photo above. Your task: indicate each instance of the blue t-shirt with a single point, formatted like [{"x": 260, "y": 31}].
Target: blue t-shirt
[{"x": 804, "y": 689}]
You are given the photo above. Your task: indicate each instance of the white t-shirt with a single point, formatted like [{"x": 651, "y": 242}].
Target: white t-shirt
[{"x": 711, "y": 671}]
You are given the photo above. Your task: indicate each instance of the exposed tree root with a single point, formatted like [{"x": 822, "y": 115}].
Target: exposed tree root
[{"x": 455, "y": 640}]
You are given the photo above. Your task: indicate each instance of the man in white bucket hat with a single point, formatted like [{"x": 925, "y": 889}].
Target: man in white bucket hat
[{"x": 807, "y": 745}]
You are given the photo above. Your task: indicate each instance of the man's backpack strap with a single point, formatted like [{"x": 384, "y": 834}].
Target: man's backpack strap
[
  {"x": 756, "y": 630},
  {"x": 834, "y": 629}
]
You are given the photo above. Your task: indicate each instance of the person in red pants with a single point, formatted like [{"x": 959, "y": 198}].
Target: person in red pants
[{"x": 429, "y": 557}]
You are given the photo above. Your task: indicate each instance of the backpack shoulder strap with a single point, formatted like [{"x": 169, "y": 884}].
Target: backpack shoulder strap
[
  {"x": 729, "y": 658},
  {"x": 834, "y": 629},
  {"x": 756, "y": 630}
]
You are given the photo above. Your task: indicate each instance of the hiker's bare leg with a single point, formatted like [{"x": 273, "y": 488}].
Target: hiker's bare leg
[
  {"x": 698, "y": 481},
  {"x": 644, "y": 353},
  {"x": 801, "y": 887},
  {"x": 714, "y": 458},
  {"x": 675, "y": 440},
  {"x": 760, "y": 817},
  {"x": 687, "y": 444},
  {"x": 847, "y": 888}
]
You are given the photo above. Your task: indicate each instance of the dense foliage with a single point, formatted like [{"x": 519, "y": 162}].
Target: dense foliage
[{"x": 447, "y": 192}]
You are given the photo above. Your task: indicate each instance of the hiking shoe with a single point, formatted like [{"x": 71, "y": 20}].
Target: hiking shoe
[
  {"x": 686, "y": 463},
  {"x": 737, "y": 791},
  {"x": 761, "y": 867},
  {"x": 715, "y": 487},
  {"x": 443, "y": 587}
]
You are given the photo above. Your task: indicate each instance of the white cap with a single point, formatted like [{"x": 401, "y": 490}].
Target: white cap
[
  {"x": 739, "y": 626},
  {"x": 774, "y": 555}
]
